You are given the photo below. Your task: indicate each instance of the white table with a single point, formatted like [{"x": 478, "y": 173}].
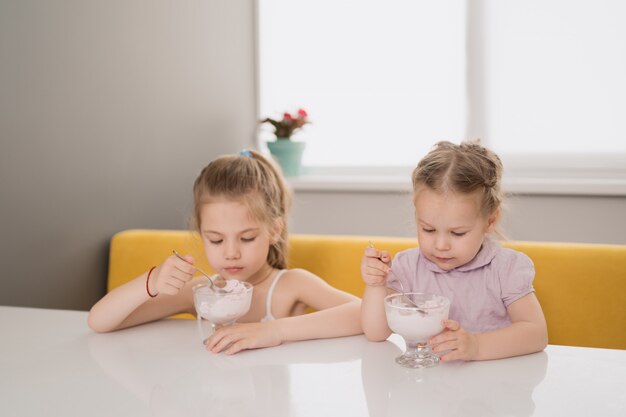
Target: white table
[{"x": 52, "y": 364}]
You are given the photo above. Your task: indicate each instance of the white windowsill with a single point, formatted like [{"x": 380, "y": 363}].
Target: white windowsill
[
  {"x": 518, "y": 185},
  {"x": 606, "y": 177}
]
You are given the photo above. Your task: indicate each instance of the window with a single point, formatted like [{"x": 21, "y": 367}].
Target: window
[{"x": 540, "y": 82}]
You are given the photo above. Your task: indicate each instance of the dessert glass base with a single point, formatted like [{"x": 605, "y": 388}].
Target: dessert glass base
[{"x": 417, "y": 355}]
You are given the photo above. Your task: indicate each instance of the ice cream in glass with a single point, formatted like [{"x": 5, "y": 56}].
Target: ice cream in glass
[
  {"x": 416, "y": 317},
  {"x": 223, "y": 306}
]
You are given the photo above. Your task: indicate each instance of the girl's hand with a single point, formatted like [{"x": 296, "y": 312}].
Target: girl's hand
[
  {"x": 461, "y": 344},
  {"x": 375, "y": 267},
  {"x": 232, "y": 339},
  {"x": 171, "y": 275}
]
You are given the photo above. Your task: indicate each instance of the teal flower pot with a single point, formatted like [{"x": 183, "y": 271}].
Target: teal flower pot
[{"x": 288, "y": 154}]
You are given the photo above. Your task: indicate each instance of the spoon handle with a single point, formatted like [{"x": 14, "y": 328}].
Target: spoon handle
[{"x": 197, "y": 269}]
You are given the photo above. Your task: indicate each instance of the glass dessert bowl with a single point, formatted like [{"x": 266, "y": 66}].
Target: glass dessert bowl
[
  {"x": 416, "y": 317},
  {"x": 221, "y": 308}
]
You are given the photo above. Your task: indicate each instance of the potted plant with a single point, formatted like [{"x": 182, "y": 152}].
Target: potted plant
[{"x": 288, "y": 153}]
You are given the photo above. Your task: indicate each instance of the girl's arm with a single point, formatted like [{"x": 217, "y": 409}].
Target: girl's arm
[
  {"x": 526, "y": 334},
  {"x": 373, "y": 316},
  {"x": 374, "y": 271},
  {"x": 129, "y": 304},
  {"x": 337, "y": 312}
]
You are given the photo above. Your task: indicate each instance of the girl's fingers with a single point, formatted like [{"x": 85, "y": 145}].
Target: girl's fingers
[
  {"x": 181, "y": 276},
  {"x": 445, "y": 336},
  {"x": 213, "y": 342},
  {"x": 375, "y": 272},
  {"x": 378, "y": 265},
  {"x": 451, "y": 325},
  {"x": 372, "y": 253},
  {"x": 462, "y": 351},
  {"x": 175, "y": 282},
  {"x": 449, "y": 345},
  {"x": 451, "y": 356},
  {"x": 210, "y": 342},
  {"x": 225, "y": 340},
  {"x": 375, "y": 254},
  {"x": 236, "y": 347},
  {"x": 184, "y": 267},
  {"x": 377, "y": 277},
  {"x": 215, "y": 338},
  {"x": 368, "y": 271},
  {"x": 219, "y": 345}
]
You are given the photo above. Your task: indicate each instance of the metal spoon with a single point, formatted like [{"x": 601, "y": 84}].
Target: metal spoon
[
  {"x": 214, "y": 287},
  {"x": 419, "y": 309}
]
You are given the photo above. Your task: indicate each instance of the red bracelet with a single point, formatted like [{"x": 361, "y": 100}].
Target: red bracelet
[{"x": 147, "y": 281}]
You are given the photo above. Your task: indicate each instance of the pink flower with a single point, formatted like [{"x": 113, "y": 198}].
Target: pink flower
[{"x": 284, "y": 128}]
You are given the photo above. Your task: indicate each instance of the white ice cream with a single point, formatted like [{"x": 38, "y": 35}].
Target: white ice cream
[
  {"x": 234, "y": 286},
  {"x": 413, "y": 325},
  {"x": 223, "y": 308}
]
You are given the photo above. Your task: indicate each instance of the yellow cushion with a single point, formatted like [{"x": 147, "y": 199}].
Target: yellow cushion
[
  {"x": 582, "y": 290},
  {"x": 581, "y": 287}
]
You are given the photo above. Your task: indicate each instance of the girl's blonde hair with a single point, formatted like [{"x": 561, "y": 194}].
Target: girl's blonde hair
[
  {"x": 464, "y": 169},
  {"x": 255, "y": 181}
]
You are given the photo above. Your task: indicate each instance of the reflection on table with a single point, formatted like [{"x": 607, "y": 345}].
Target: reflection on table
[
  {"x": 52, "y": 364},
  {"x": 272, "y": 382},
  {"x": 492, "y": 388}
]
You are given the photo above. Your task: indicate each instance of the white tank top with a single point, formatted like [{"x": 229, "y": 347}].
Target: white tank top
[{"x": 268, "y": 302}]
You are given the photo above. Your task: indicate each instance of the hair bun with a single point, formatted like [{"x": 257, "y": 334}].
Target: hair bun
[{"x": 464, "y": 168}]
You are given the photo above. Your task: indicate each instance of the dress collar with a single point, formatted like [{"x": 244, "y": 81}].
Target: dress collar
[{"x": 484, "y": 256}]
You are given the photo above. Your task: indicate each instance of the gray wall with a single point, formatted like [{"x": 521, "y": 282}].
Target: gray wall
[
  {"x": 108, "y": 110},
  {"x": 589, "y": 219}
]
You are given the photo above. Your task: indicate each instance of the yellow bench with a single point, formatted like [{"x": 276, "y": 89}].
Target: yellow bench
[{"x": 581, "y": 287}]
